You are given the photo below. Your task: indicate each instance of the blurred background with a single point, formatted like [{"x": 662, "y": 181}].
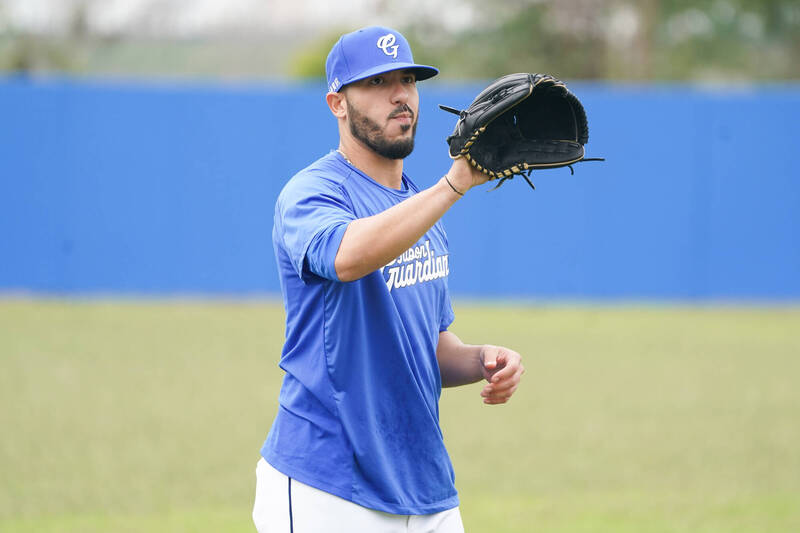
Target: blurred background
[
  {"x": 649, "y": 40},
  {"x": 654, "y": 296}
]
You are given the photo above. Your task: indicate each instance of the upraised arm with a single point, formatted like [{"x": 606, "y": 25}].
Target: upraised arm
[{"x": 371, "y": 242}]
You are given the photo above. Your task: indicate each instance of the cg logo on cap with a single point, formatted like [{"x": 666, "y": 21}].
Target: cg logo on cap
[{"x": 385, "y": 43}]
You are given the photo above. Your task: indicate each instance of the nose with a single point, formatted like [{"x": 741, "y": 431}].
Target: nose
[{"x": 399, "y": 93}]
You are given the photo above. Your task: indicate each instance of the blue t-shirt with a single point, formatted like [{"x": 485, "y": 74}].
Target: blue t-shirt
[{"x": 359, "y": 404}]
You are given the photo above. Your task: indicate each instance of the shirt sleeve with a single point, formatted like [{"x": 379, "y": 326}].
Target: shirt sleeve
[
  {"x": 313, "y": 214},
  {"x": 447, "y": 315}
]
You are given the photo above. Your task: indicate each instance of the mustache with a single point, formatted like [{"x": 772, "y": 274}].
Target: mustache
[{"x": 401, "y": 109}]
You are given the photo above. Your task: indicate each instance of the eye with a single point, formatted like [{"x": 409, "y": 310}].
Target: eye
[
  {"x": 377, "y": 80},
  {"x": 410, "y": 79}
]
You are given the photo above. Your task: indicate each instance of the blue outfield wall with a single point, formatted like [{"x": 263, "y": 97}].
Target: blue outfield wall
[{"x": 112, "y": 187}]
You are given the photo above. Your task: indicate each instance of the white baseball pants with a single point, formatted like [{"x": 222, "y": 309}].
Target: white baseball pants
[{"x": 285, "y": 505}]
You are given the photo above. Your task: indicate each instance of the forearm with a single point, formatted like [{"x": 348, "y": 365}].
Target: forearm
[
  {"x": 372, "y": 242},
  {"x": 459, "y": 363}
]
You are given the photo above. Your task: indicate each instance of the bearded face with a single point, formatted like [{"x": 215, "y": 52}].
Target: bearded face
[{"x": 373, "y": 134}]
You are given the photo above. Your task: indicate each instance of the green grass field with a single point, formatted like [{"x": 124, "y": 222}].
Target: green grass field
[{"x": 148, "y": 416}]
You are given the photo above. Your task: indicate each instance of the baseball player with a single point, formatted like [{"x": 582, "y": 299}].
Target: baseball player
[{"x": 363, "y": 262}]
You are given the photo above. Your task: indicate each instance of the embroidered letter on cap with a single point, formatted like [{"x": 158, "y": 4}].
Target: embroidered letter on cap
[{"x": 385, "y": 43}]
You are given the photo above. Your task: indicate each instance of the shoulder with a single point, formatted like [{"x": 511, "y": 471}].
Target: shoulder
[{"x": 325, "y": 176}]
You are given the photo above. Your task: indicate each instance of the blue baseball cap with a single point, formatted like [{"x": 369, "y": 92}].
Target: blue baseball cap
[{"x": 368, "y": 52}]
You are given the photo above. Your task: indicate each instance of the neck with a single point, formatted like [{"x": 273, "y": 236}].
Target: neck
[{"x": 387, "y": 172}]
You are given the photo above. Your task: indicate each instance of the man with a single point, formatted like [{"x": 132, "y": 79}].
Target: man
[{"x": 363, "y": 261}]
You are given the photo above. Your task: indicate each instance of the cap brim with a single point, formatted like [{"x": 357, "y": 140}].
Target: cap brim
[{"x": 423, "y": 72}]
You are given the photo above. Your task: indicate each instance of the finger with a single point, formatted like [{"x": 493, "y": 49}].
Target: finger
[
  {"x": 504, "y": 373},
  {"x": 500, "y": 393},
  {"x": 504, "y": 378},
  {"x": 501, "y": 361},
  {"x": 508, "y": 393},
  {"x": 502, "y": 386},
  {"x": 494, "y": 401},
  {"x": 495, "y": 392},
  {"x": 490, "y": 358}
]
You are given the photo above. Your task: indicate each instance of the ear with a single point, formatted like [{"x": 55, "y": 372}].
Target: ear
[{"x": 337, "y": 103}]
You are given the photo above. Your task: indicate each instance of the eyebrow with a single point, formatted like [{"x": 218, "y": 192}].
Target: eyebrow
[{"x": 406, "y": 72}]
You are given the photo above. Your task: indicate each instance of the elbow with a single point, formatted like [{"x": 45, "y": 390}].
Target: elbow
[
  {"x": 349, "y": 269},
  {"x": 346, "y": 276}
]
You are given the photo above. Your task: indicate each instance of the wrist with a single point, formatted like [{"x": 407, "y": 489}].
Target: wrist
[
  {"x": 450, "y": 184},
  {"x": 459, "y": 181},
  {"x": 463, "y": 176}
]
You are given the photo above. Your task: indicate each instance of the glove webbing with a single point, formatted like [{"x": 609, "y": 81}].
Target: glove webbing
[{"x": 530, "y": 171}]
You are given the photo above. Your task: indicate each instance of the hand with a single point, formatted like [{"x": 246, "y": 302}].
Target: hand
[
  {"x": 503, "y": 369},
  {"x": 463, "y": 176}
]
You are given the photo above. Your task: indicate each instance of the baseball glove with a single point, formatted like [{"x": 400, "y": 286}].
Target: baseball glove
[{"x": 519, "y": 123}]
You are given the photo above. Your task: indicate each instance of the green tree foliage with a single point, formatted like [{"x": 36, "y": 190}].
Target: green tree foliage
[
  {"x": 309, "y": 60},
  {"x": 707, "y": 40},
  {"x": 618, "y": 39},
  {"x": 27, "y": 53}
]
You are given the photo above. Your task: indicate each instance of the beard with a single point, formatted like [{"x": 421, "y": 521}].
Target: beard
[{"x": 371, "y": 134}]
